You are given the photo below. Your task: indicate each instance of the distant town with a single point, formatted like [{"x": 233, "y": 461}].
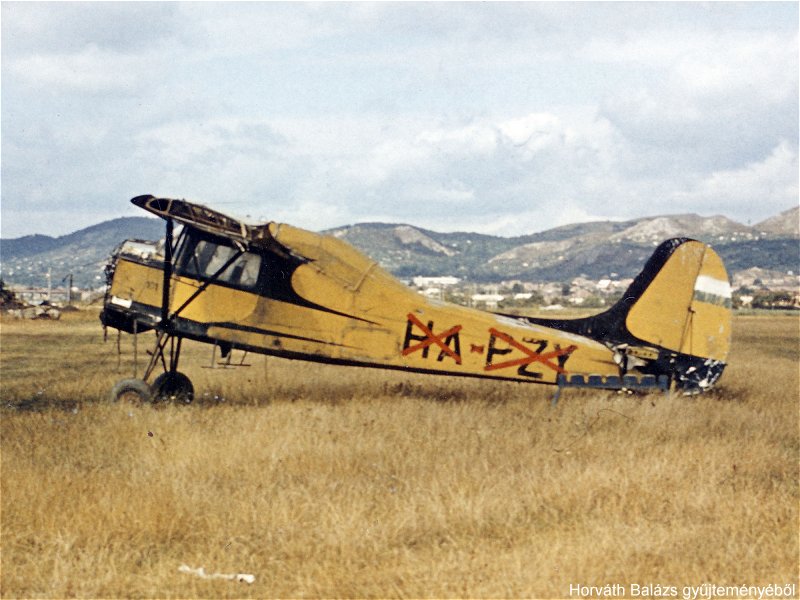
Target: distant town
[{"x": 753, "y": 288}]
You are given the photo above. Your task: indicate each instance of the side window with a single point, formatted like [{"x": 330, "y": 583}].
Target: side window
[
  {"x": 219, "y": 256},
  {"x": 202, "y": 258},
  {"x": 243, "y": 272},
  {"x": 196, "y": 257}
]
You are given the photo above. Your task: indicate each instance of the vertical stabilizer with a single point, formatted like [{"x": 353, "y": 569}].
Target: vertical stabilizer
[
  {"x": 674, "y": 319},
  {"x": 686, "y": 306}
]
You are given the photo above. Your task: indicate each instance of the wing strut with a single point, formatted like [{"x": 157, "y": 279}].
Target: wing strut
[
  {"x": 167, "y": 275},
  {"x": 205, "y": 285},
  {"x": 166, "y": 334}
]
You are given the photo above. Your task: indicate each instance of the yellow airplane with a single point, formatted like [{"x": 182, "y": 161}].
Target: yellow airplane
[{"x": 275, "y": 289}]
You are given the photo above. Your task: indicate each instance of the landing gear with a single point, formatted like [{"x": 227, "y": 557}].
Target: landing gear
[
  {"x": 172, "y": 386},
  {"x": 131, "y": 390},
  {"x": 169, "y": 386}
]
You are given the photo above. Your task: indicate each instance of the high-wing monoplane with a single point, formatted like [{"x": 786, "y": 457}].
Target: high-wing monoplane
[{"x": 274, "y": 289}]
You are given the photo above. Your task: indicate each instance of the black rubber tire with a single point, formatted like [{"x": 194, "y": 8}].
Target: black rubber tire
[
  {"x": 172, "y": 386},
  {"x": 135, "y": 390}
]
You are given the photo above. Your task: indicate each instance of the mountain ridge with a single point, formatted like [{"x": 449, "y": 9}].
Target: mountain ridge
[{"x": 595, "y": 249}]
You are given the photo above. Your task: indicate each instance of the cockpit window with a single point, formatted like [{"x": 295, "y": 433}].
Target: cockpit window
[{"x": 202, "y": 258}]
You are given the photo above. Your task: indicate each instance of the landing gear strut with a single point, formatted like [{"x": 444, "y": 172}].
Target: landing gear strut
[{"x": 171, "y": 385}]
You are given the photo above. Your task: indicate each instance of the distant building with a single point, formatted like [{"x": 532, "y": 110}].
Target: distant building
[
  {"x": 425, "y": 282},
  {"x": 37, "y": 295},
  {"x": 488, "y": 300},
  {"x": 432, "y": 292}
]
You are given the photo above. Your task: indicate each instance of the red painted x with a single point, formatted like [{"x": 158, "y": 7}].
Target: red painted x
[
  {"x": 431, "y": 338},
  {"x": 531, "y": 356}
]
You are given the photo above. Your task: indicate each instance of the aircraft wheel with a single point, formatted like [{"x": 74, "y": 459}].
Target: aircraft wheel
[
  {"x": 132, "y": 390},
  {"x": 173, "y": 385}
]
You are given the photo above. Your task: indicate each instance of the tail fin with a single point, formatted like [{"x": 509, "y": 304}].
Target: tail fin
[
  {"x": 686, "y": 305},
  {"x": 677, "y": 312}
]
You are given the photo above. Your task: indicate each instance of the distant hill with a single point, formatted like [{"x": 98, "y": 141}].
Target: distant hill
[
  {"x": 83, "y": 253},
  {"x": 595, "y": 250},
  {"x": 786, "y": 223},
  {"x": 27, "y": 246}
]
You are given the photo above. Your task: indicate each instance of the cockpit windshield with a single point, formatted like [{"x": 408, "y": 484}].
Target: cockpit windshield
[{"x": 204, "y": 257}]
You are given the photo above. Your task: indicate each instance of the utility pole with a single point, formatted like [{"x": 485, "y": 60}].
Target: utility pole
[
  {"x": 69, "y": 289},
  {"x": 49, "y": 283}
]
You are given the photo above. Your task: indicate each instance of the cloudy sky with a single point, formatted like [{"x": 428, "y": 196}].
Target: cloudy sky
[{"x": 504, "y": 118}]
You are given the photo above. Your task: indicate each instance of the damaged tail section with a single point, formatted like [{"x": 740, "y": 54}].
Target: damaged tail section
[{"x": 674, "y": 319}]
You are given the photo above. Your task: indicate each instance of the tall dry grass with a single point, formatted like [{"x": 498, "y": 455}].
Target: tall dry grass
[{"x": 338, "y": 482}]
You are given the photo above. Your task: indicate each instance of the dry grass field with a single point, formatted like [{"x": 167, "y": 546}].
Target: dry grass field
[{"x": 339, "y": 482}]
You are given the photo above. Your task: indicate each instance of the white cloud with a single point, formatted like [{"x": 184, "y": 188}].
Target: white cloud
[
  {"x": 90, "y": 70},
  {"x": 772, "y": 182},
  {"x": 249, "y": 29},
  {"x": 184, "y": 142},
  {"x": 537, "y": 162},
  {"x": 507, "y": 117},
  {"x": 470, "y": 139},
  {"x": 715, "y": 100},
  {"x": 65, "y": 28},
  {"x": 759, "y": 67}
]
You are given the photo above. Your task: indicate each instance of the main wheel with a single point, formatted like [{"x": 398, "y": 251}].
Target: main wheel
[
  {"x": 172, "y": 385},
  {"x": 132, "y": 390}
]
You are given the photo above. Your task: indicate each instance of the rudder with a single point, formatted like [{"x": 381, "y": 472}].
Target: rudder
[{"x": 686, "y": 306}]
